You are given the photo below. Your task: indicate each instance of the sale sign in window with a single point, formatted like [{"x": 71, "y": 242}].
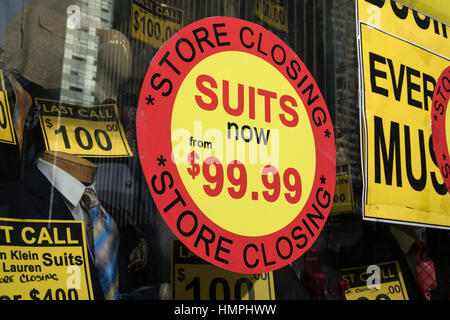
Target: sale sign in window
[{"x": 237, "y": 145}]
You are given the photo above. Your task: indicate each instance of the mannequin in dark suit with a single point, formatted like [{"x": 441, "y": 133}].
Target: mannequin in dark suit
[{"x": 34, "y": 197}]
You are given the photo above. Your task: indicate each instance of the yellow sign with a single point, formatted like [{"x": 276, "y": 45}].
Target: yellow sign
[
  {"x": 432, "y": 8},
  {"x": 272, "y": 12},
  {"x": 87, "y": 131},
  {"x": 43, "y": 260},
  {"x": 343, "y": 193},
  {"x": 261, "y": 151},
  {"x": 391, "y": 285},
  {"x": 7, "y": 134},
  {"x": 401, "y": 61},
  {"x": 195, "y": 279},
  {"x": 153, "y": 22}
]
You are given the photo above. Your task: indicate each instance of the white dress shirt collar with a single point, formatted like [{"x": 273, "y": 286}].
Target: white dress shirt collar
[{"x": 67, "y": 185}]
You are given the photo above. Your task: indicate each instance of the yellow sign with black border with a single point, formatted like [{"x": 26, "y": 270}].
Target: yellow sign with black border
[
  {"x": 272, "y": 12},
  {"x": 7, "y": 133},
  {"x": 402, "y": 52},
  {"x": 195, "y": 279},
  {"x": 391, "y": 286},
  {"x": 87, "y": 131},
  {"x": 343, "y": 201},
  {"x": 153, "y": 22},
  {"x": 43, "y": 260}
]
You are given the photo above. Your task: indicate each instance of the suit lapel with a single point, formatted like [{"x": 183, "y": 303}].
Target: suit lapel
[{"x": 49, "y": 201}]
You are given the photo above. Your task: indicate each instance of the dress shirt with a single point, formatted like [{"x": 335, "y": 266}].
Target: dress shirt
[{"x": 71, "y": 189}]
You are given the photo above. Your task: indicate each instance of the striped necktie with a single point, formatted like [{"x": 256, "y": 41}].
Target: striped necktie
[{"x": 103, "y": 237}]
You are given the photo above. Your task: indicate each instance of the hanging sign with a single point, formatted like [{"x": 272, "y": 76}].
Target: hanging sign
[
  {"x": 196, "y": 279},
  {"x": 43, "y": 260},
  {"x": 237, "y": 145},
  {"x": 402, "y": 53},
  {"x": 87, "y": 131},
  {"x": 7, "y": 134}
]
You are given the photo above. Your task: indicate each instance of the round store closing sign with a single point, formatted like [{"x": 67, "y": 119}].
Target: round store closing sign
[
  {"x": 237, "y": 145},
  {"x": 440, "y": 124}
]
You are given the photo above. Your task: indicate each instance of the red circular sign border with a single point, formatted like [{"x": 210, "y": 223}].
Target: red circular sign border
[
  {"x": 438, "y": 132},
  {"x": 154, "y": 141}
]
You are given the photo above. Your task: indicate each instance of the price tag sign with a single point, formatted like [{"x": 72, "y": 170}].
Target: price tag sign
[
  {"x": 153, "y": 22},
  {"x": 7, "y": 134},
  {"x": 392, "y": 286},
  {"x": 195, "y": 279},
  {"x": 343, "y": 194},
  {"x": 440, "y": 124},
  {"x": 87, "y": 131},
  {"x": 43, "y": 260},
  {"x": 237, "y": 145},
  {"x": 272, "y": 12}
]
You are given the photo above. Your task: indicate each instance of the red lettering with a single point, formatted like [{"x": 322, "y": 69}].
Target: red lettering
[
  {"x": 206, "y": 91},
  {"x": 208, "y": 100},
  {"x": 288, "y": 110}
]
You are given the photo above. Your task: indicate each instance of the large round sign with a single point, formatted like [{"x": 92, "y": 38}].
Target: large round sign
[
  {"x": 237, "y": 145},
  {"x": 440, "y": 124}
]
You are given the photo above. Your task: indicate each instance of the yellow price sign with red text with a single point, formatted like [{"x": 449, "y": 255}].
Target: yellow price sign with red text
[{"x": 237, "y": 145}]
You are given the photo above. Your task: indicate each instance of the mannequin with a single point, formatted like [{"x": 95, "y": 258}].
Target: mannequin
[
  {"x": 405, "y": 236},
  {"x": 114, "y": 63},
  {"x": 79, "y": 168}
]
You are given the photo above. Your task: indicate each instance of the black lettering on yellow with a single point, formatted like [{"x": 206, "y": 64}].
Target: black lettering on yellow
[
  {"x": 439, "y": 187},
  {"x": 388, "y": 157},
  {"x": 416, "y": 184}
]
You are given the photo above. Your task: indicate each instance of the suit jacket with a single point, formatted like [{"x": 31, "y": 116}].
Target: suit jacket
[
  {"x": 31, "y": 198},
  {"x": 34, "y": 41}
]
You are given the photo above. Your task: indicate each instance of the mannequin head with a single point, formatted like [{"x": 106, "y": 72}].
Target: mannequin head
[
  {"x": 114, "y": 54},
  {"x": 114, "y": 62},
  {"x": 79, "y": 168}
]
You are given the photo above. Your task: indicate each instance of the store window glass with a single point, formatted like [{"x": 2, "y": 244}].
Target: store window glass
[{"x": 71, "y": 72}]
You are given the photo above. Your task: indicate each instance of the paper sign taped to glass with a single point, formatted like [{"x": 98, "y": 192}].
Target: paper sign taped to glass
[
  {"x": 391, "y": 285},
  {"x": 273, "y": 13},
  {"x": 196, "y": 279},
  {"x": 86, "y": 131},
  {"x": 401, "y": 54},
  {"x": 43, "y": 260},
  {"x": 7, "y": 134},
  {"x": 343, "y": 201},
  {"x": 153, "y": 22}
]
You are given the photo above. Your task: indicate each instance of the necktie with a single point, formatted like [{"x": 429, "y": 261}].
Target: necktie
[
  {"x": 102, "y": 234},
  {"x": 425, "y": 272}
]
